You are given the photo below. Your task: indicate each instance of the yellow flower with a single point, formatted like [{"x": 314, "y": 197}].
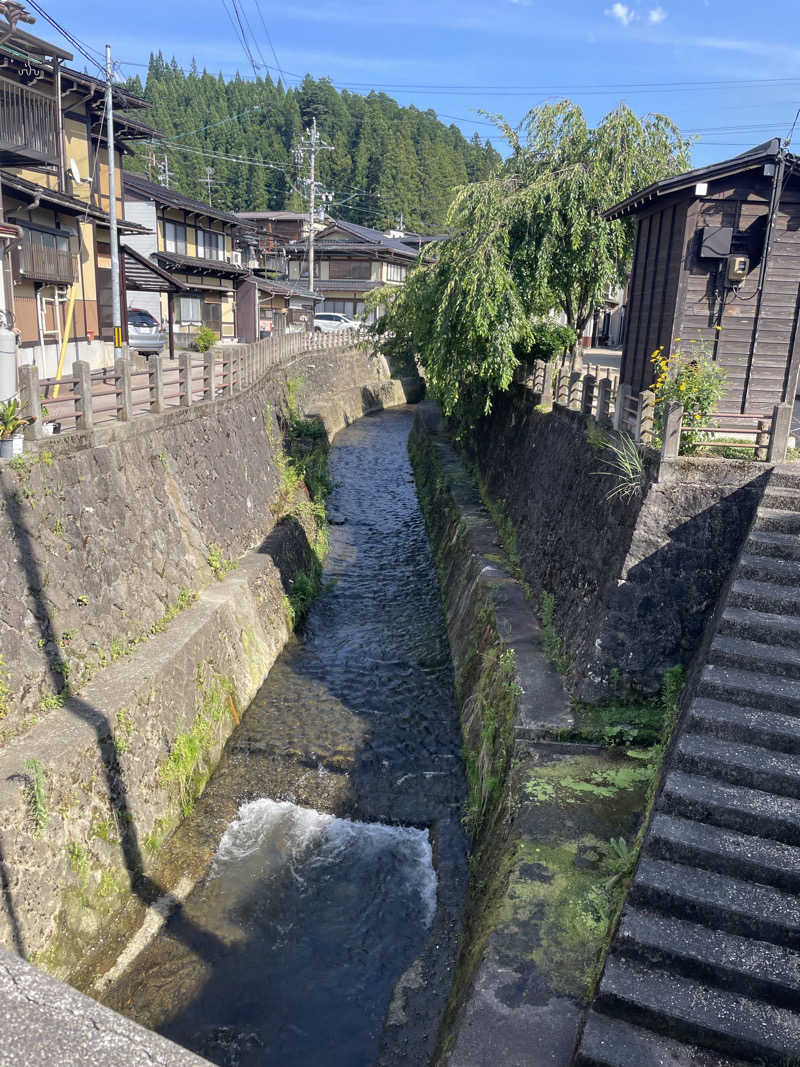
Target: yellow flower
[{"x": 682, "y": 386}]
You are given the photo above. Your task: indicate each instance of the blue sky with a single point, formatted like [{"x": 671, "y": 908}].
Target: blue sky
[{"x": 498, "y": 55}]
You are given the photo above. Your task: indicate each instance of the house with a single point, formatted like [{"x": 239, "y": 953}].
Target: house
[
  {"x": 195, "y": 244},
  {"x": 264, "y": 235},
  {"x": 349, "y": 261},
  {"x": 54, "y": 177},
  {"x": 267, "y": 304},
  {"x": 717, "y": 260}
]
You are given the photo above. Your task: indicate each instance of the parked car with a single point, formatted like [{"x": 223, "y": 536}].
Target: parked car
[
  {"x": 144, "y": 332},
  {"x": 331, "y": 320}
]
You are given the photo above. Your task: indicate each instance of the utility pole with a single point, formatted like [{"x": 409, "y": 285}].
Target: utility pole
[
  {"x": 208, "y": 181},
  {"x": 163, "y": 172},
  {"x": 311, "y": 144},
  {"x": 116, "y": 309}
]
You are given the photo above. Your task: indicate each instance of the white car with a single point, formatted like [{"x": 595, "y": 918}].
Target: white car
[{"x": 331, "y": 320}]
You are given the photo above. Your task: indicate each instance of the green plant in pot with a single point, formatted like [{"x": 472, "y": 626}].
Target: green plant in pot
[{"x": 12, "y": 423}]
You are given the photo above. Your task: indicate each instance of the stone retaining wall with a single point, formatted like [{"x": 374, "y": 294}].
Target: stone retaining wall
[
  {"x": 99, "y": 544},
  {"x": 634, "y": 581}
]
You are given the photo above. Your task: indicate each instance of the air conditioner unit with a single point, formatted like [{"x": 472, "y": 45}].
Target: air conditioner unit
[{"x": 236, "y": 259}]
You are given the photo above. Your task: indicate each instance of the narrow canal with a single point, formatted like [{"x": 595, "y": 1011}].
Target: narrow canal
[{"x": 325, "y": 927}]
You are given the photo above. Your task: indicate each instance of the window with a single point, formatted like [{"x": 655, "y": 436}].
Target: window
[
  {"x": 138, "y": 317},
  {"x": 210, "y": 245},
  {"x": 175, "y": 237},
  {"x": 190, "y": 310},
  {"x": 349, "y": 268},
  {"x": 395, "y": 273},
  {"x": 212, "y": 315}
]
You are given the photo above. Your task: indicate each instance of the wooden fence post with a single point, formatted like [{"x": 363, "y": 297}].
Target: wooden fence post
[
  {"x": 671, "y": 435},
  {"x": 763, "y": 439},
  {"x": 155, "y": 381},
  {"x": 84, "y": 413},
  {"x": 185, "y": 387},
  {"x": 575, "y": 390},
  {"x": 546, "y": 399},
  {"x": 562, "y": 386},
  {"x": 603, "y": 401},
  {"x": 587, "y": 400},
  {"x": 781, "y": 428},
  {"x": 209, "y": 369},
  {"x": 645, "y": 417},
  {"x": 122, "y": 383},
  {"x": 30, "y": 400},
  {"x": 623, "y": 393}
]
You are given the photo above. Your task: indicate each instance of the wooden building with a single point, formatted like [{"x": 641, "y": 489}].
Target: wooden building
[
  {"x": 55, "y": 188},
  {"x": 194, "y": 242},
  {"x": 349, "y": 261},
  {"x": 264, "y": 305},
  {"x": 717, "y": 261}
]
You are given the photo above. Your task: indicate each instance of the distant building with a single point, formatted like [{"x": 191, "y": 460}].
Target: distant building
[{"x": 349, "y": 261}]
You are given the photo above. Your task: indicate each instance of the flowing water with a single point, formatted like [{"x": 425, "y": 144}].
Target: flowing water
[{"x": 325, "y": 927}]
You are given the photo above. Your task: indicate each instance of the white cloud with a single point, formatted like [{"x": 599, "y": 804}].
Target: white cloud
[
  {"x": 621, "y": 12},
  {"x": 656, "y": 15}
]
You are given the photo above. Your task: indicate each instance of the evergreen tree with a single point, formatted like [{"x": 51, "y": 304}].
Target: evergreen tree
[{"x": 388, "y": 161}]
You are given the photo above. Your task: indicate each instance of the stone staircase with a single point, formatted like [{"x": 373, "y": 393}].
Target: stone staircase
[{"x": 705, "y": 966}]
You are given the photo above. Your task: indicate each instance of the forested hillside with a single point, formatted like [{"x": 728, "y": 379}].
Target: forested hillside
[{"x": 387, "y": 160}]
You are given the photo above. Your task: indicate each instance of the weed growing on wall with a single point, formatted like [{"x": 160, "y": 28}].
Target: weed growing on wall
[
  {"x": 79, "y": 863},
  {"x": 5, "y": 689},
  {"x": 37, "y": 795},
  {"x": 218, "y": 562},
  {"x": 626, "y": 466},
  {"x": 552, "y": 645},
  {"x": 189, "y": 764}
]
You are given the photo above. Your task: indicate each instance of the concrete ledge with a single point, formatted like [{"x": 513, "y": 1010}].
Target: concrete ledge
[{"x": 46, "y": 1022}]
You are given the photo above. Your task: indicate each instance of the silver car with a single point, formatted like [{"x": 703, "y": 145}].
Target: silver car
[
  {"x": 144, "y": 332},
  {"x": 332, "y": 320}
]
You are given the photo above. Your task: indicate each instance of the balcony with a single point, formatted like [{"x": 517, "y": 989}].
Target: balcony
[
  {"x": 54, "y": 265},
  {"x": 28, "y": 126}
]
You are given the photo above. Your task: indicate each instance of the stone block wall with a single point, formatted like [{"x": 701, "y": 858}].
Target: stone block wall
[
  {"x": 634, "y": 581},
  {"x": 99, "y": 536}
]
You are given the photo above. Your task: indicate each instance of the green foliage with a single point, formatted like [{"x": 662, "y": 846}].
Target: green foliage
[
  {"x": 5, "y": 689},
  {"x": 545, "y": 340},
  {"x": 53, "y": 700},
  {"x": 204, "y": 339},
  {"x": 405, "y": 155},
  {"x": 218, "y": 562},
  {"x": 163, "y": 459},
  {"x": 124, "y": 732},
  {"x": 626, "y": 467},
  {"x": 11, "y": 418},
  {"x": 596, "y": 436},
  {"x": 694, "y": 380},
  {"x": 188, "y": 765},
  {"x": 37, "y": 795},
  {"x": 79, "y": 863},
  {"x": 526, "y": 240},
  {"x": 552, "y": 645}
]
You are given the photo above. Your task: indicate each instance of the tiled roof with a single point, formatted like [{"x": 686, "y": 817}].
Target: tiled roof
[
  {"x": 139, "y": 184},
  {"x": 176, "y": 261}
]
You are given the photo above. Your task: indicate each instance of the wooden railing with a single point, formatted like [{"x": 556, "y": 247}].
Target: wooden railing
[
  {"x": 87, "y": 399},
  {"x": 766, "y": 435},
  {"x": 28, "y": 124},
  {"x": 594, "y": 391},
  {"x": 47, "y": 264}
]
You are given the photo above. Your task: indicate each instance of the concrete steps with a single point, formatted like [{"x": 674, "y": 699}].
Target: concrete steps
[{"x": 705, "y": 966}]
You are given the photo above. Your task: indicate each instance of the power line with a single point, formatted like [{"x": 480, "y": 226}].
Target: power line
[
  {"x": 84, "y": 49},
  {"x": 269, "y": 39}
]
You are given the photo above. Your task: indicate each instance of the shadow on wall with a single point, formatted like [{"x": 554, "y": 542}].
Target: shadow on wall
[
  {"x": 642, "y": 577},
  {"x": 143, "y": 887}
]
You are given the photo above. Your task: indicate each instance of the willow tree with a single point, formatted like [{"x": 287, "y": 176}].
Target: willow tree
[{"x": 526, "y": 242}]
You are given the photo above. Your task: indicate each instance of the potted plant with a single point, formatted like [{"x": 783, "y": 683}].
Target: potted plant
[
  {"x": 12, "y": 423},
  {"x": 48, "y": 428}
]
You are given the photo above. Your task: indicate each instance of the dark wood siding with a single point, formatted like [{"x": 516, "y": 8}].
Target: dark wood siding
[
  {"x": 676, "y": 294},
  {"x": 654, "y": 284}
]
